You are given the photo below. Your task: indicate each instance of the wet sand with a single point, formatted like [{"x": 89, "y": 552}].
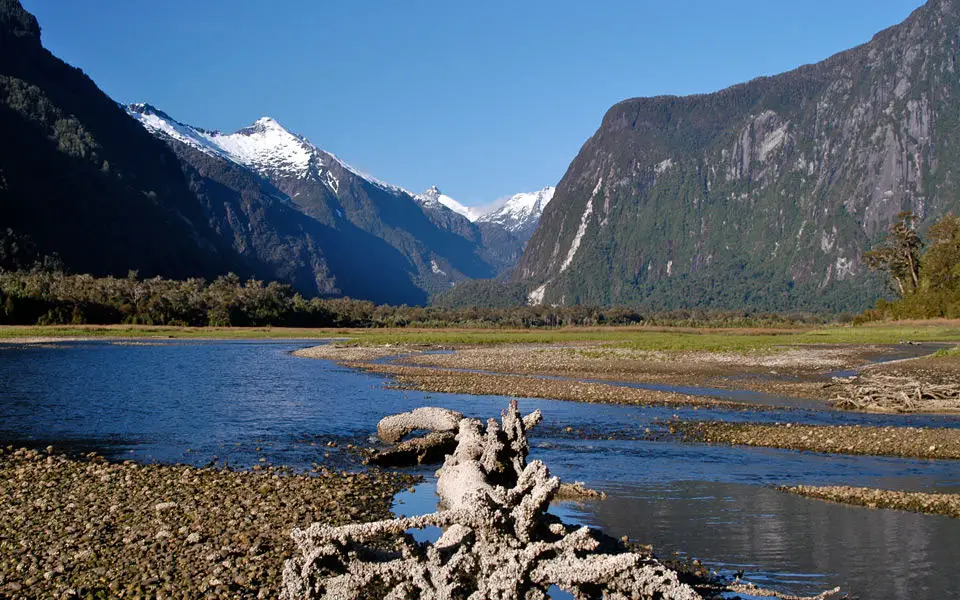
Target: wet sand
[{"x": 79, "y": 528}]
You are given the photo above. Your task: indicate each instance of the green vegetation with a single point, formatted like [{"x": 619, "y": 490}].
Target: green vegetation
[
  {"x": 171, "y": 332},
  {"x": 927, "y": 283},
  {"x": 711, "y": 340},
  {"x": 946, "y": 353},
  {"x": 50, "y": 297},
  {"x": 899, "y": 255}
]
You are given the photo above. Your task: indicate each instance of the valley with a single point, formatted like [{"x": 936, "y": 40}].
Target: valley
[{"x": 232, "y": 362}]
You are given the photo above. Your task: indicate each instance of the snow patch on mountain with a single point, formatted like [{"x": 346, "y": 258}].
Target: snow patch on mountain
[
  {"x": 522, "y": 211},
  {"x": 433, "y": 197},
  {"x": 272, "y": 151},
  {"x": 266, "y": 147}
]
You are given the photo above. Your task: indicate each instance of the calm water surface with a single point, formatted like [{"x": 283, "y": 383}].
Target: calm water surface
[{"x": 236, "y": 403}]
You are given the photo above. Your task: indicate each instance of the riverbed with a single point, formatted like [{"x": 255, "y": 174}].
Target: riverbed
[{"x": 247, "y": 403}]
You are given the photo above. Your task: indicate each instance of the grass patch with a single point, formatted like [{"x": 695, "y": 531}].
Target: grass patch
[
  {"x": 710, "y": 340},
  {"x": 637, "y": 338},
  {"x": 947, "y": 352}
]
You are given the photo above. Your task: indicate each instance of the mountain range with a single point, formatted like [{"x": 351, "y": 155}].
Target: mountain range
[
  {"x": 109, "y": 188},
  {"x": 764, "y": 195},
  {"x": 331, "y": 230}
]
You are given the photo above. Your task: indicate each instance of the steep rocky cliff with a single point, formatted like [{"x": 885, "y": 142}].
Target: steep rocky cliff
[{"x": 763, "y": 195}]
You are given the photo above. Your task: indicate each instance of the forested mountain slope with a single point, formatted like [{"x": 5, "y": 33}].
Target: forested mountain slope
[
  {"x": 765, "y": 194},
  {"x": 80, "y": 179}
]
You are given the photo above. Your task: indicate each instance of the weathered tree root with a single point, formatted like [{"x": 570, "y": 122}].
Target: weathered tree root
[
  {"x": 888, "y": 393},
  {"x": 392, "y": 429},
  {"x": 426, "y": 450},
  {"x": 498, "y": 542}
]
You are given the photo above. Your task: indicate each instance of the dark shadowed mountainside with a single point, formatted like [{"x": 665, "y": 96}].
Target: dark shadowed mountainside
[{"x": 80, "y": 179}]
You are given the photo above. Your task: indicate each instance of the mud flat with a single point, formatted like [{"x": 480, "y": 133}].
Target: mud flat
[
  {"x": 938, "y": 504},
  {"x": 74, "y": 528},
  {"x": 906, "y": 442},
  {"x": 429, "y": 379}
]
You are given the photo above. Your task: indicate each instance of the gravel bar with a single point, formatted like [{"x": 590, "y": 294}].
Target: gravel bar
[
  {"x": 906, "y": 442},
  {"x": 88, "y": 528},
  {"x": 937, "y": 504}
]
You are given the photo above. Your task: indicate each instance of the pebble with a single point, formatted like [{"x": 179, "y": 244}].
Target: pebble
[{"x": 91, "y": 528}]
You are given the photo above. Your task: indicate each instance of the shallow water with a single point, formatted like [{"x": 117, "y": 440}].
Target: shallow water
[{"x": 242, "y": 402}]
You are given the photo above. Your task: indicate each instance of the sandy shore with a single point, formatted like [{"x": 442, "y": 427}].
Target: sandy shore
[
  {"x": 907, "y": 442},
  {"x": 938, "y": 504},
  {"x": 89, "y": 528},
  {"x": 795, "y": 372},
  {"x": 350, "y": 353}
]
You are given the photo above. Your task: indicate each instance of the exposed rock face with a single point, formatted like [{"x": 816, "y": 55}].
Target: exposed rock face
[
  {"x": 498, "y": 542},
  {"x": 765, "y": 194}
]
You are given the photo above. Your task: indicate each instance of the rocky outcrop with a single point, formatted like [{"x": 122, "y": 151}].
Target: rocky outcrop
[{"x": 498, "y": 542}]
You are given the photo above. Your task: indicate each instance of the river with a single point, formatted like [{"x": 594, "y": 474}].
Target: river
[{"x": 242, "y": 403}]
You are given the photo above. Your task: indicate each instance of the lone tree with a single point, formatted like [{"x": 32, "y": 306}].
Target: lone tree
[
  {"x": 941, "y": 261},
  {"x": 899, "y": 256}
]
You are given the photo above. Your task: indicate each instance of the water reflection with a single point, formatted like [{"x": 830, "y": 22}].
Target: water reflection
[{"x": 797, "y": 544}]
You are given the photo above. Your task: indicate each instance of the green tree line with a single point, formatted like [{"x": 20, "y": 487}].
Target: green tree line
[
  {"x": 924, "y": 274},
  {"x": 41, "y": 296}
]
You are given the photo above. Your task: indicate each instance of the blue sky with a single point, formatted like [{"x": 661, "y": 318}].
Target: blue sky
[{"x": 483, "y": 98}]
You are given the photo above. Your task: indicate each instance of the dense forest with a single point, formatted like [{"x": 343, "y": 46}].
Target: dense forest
[{"x": 45, "y": 296}]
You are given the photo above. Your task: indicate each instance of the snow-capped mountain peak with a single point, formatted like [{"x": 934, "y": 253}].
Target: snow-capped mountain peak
[
  {"x": 266, "y": 147},
  {"x": 274, "y": 152},
  {"x": 433, "y": 197},
  {"x": 521, "y": 213}
]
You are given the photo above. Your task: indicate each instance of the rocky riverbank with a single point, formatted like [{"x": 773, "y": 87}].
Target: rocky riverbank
[
  {"x": 906, "y": 442},
  {"x": 430, "y": 379},
  {"x": 88, "y": 528},
  {"x": 938, "y": 504}
]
